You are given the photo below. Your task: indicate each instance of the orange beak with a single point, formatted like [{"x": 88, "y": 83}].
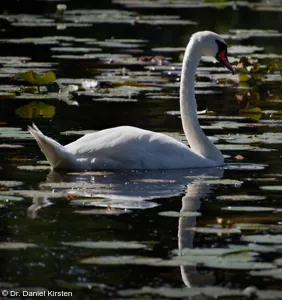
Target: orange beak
[{"x": 222, "y": 58}]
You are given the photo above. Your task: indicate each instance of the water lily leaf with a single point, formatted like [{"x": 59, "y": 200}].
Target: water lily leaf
[
  {"x": 271, "y": 187},
  {"x": 111, "y": 212},
  {"x": 244, "y": 77},
  {"x": 106, "y": 245},
  {"x": 206, "y": 251},
  {"x": 278, "y": 262},
  {"x": 263, "y": 239},
  {"x": 36, "y": 78},
  {"x": 237, "y": 265},
  {"x": 256, "y": 226},
  {"x": 36, "y": 110},
  {"x": 180, "y": 214},
  {"x": 9, "y": 183},
  {"x": 113, "y": 203},
  {"x": 34, "y": 168},
  {"x": 120, "y": 260},
  {"x": 223, "y": 182},
  {"x": 240, "y": 197},
  {"x": 8, "y": 198},
  {"x": 274, "y": 273},
  {"x": 208, "y": 230},
  {"x": 33, "y": 194},
  {"x": 16, "y": 245},
  {"x": 254, "y": 110},
  {"x": 14, "y": 133},
  {"x": 249, "y": 208}
]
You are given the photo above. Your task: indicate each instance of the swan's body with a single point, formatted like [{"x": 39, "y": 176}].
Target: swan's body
[{"x": 128, "y": 147}]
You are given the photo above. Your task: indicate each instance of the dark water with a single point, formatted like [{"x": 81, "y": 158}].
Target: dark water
[{"x": 235, "y": 202}]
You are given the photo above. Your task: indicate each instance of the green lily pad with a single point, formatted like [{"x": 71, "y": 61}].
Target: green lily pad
[
  {"x": 179, "y": 214},
  {"x": 107, "y": 212},
  {"x": 263, "y": 239},
  {"x": 208, "y": 230},
  {"x": 249, "y": 208},
  {"x": 240, "y": 198},
  {"x": 271, "y": 188},
  {"x": 8, "y": 198},
  {"x": 35, "y": 78},
  {"x": 36, "y": 109},
  {"x": 106, "y": 245},
  {"x": 223, "y": 182},
  {"x": 33, "y": 194},
  {"x": 274, "y": 273},
  {"x": 15, "y": 245},
  {"x": 238, "y": 265},
  {"x": 120, "y": 260},
  {"x": 34, "y": 168},
  {"x": 256, "y": 226},
  {"x": 14, "y": 133},
  {"x": 9, "y": 183}
]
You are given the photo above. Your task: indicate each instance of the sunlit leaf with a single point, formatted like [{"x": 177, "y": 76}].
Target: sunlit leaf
[
  {"x": 36, "y": 78},
  {"x": 36, "y": 110}
]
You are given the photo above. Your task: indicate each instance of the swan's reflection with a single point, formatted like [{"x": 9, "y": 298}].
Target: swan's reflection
[
  {"x": 147, "y": 185},
  {"x": 191, "y": 202}
]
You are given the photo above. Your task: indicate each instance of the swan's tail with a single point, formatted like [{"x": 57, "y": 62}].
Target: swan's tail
[{"x": 55, "y": 153}]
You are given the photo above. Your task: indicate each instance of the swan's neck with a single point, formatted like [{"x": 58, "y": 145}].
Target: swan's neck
[{"x": 196, "y": 138}]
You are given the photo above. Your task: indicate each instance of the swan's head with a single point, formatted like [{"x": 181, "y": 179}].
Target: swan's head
[{"x": 212, "y": 44}]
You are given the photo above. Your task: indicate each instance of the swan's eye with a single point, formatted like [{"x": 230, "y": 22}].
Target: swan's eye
[
  {"x": 221, "y": 55},
  {"x": 221, "y": 46}
]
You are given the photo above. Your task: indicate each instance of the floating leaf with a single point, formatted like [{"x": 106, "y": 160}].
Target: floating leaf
[
  {"x": 208, "y": 230},
  {"x": 263, "y": 239},
  {"x": 240, "y": 197},
  {"x": 9, "y": 183},
  {"x": 106, "y": 245},
  {"x": 249, "y": 208},
  {"x": 36, "y": 78},
  {"x": 271, "y": 188},
  {"x": 274, "y": 273},
  {"x": 34, "y": 168},
  {"x": 111, "y": 212},
  {"x": 36, "y": 110},
  {"x": 15, "y": 245},
  {"x": 179, "y": 214},
  {"x": 8, "y": 198},
  {"x": 255, "y": 110}
]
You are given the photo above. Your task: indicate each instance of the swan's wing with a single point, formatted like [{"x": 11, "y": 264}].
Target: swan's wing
[{"x": 132, "y": 147}]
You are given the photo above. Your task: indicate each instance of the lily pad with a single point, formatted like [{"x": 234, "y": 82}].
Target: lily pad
[
  {"x": 16, "y": 245},
  {"x": 274, "y": 273},
  {"x": 8, "y": 198},
  {"x": 106, "y": 245},
  {"x": 263, "y": 239},
  {"x": 271, "y": 188},
  {"x": 10, "y": 184},
  {"x": 208, "y": 230},
  {"x": 34, "y": 168},
  {"x": 107, "y": 212},
  {"x": 35, "y": 78},
  {"x": 249, "y": 208},
  {"x": 33, "y": 194},
  {"x": 240, "y": 197},
  {"x": 179, "y": 214}
]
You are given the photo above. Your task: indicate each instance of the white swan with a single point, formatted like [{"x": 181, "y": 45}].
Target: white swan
[{"x": 128, "y": 147}]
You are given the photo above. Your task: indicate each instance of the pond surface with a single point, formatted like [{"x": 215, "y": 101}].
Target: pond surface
[{"x": 186, "y": 234}]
